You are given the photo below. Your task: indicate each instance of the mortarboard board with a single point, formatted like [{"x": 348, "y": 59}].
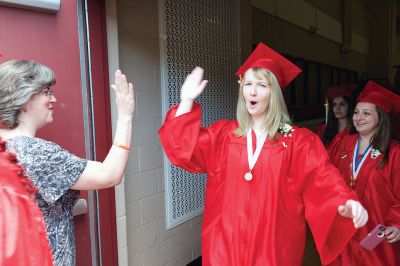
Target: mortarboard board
[
  {"x": 381, "y": 97},
  {"x": 263, "y": 56},
  {"x": 340, "y": 91}
]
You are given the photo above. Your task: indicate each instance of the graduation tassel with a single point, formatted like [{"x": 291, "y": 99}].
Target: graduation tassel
[{"x": 326, "y": 104}]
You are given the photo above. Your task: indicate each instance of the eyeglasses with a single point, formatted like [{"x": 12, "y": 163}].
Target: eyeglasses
[{"x": 48, "y": 91}]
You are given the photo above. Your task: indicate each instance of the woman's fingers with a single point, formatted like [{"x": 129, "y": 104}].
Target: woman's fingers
[
  {"x": 124, "y": 94},
  {"x": 193, "y": 85},
  {"x": 121, "y": 83},
  {"x": 117, "y": 79},
  {"x": 353, "y": 209},
  {"x": 392, "y": 234},
  {"x": 361, "y": 218}
]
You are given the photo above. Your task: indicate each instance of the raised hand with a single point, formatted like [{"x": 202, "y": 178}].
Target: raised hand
[
  {"x": 191, "y": 89},
  {"x": 193, "y": 85},
  {"x": 353, "y": 209},
  {"x": 124, "y": 96}
]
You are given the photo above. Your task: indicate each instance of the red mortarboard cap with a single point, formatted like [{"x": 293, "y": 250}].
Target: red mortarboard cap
[
  {"x": 340, "y": 91},
  {"x": 263, "y": 56},
  {"x": 381, "y": 97}
]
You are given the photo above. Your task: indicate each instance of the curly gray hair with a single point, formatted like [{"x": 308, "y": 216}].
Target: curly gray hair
[{"x": 19, "y": 81}]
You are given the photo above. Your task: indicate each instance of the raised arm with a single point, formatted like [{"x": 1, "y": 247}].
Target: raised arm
[
  {"x": 109, "y": 173},
  {"x": 191, "y": 89}
]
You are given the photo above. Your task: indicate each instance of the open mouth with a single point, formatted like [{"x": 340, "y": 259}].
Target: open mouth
[{"x": 253, "y": 103}]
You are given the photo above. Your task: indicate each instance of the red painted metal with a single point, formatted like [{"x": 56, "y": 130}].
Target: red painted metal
[{"x": 101, "y": 85}]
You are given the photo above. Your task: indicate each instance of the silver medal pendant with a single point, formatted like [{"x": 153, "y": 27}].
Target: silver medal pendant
[{"x": 248, "y": 176}]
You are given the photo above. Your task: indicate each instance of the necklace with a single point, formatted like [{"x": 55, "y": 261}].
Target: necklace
[
  {"x": 357, "y": 163},
  {"x": 253, "y": 157}
]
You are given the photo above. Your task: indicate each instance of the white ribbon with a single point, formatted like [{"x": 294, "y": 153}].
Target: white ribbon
[
  {"x": 252, "y": 158},
  {"x": 357, "y": 165}
]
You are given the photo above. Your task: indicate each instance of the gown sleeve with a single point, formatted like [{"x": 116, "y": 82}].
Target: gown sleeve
[
  {"x": 323, "y": 190},
  {"x": 186, "y": 143},
  {"x": 23, "y": 239},
  {"x": 393, "y": 217}
]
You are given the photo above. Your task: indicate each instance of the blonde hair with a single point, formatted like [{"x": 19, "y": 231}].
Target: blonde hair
[
  {"x": 276, "y": 113},
  {"x": 19, "y": 81}
]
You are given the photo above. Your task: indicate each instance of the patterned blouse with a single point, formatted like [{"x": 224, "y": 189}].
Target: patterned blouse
[{"x": 53, "y": 171}]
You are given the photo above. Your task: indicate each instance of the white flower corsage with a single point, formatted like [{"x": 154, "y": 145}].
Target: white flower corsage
[
  {"x": 375, "y": 153},
  {"x": 286, "y": 130}
]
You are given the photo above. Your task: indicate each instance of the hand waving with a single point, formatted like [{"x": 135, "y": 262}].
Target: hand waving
[
  {"x": 191, "y": 89},
  {"x": 193, "y": 85}
]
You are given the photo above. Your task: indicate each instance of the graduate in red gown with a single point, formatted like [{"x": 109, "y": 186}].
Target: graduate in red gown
[
  {"x": 266, "y": 178},
  {"x": 339, "y": 115},
  {"x": 370, "y": 164},
  {"x": 23, "y": 239}
]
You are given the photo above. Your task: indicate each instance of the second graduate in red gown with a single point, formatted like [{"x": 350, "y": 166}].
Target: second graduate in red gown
[{"x": 369, "y": 162}]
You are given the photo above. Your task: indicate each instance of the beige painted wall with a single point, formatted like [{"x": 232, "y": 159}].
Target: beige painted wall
[
  {"x": 312, "y": 29},
  {"x": 302, "y": 28}
]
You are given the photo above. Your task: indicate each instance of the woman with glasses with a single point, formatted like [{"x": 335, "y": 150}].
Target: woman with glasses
[
  {"x": 370, "y": 162},
  {"x": 26, "y": 105}
]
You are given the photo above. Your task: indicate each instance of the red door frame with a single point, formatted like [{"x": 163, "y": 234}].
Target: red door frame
[{"x": 103, "y": 128}]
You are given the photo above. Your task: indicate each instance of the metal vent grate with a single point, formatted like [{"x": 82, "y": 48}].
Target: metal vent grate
[{"x": 197, "y": 33}]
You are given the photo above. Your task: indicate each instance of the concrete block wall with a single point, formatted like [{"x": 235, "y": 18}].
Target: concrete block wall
[{"x": 140, "y": 203}]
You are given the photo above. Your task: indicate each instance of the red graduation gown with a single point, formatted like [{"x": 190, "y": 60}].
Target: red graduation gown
[
  {"x": 379, "y": 192},
  {"x": 336, "y": 140},
  {"x": 320, "y": 130},
  {"x": 261, "y": 222},
  {"x": 23, "y": 238}
]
